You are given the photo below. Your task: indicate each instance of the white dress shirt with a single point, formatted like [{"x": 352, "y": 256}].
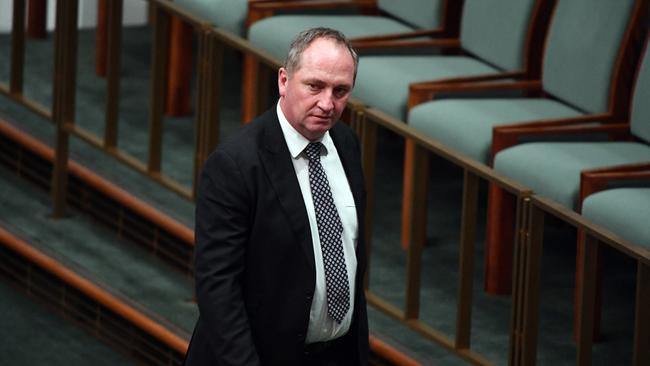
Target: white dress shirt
[{"x": 321, "y": 326}]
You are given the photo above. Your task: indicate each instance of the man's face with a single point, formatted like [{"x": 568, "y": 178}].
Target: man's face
[{"x": 314, "y": 96}]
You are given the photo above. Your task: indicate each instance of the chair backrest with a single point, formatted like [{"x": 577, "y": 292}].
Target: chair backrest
[
  {"x": 423, "y": 14},
  {"x": 640, "y": 117},
  {"x": 496, "y": 30},
  {"x": 582, "y": 49},
  {"x": 229, "y": 15}
]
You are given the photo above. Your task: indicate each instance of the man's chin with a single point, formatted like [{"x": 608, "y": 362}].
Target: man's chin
[
  {"x": 315, "y": 132},
  {"x": 326, "y": 121}
]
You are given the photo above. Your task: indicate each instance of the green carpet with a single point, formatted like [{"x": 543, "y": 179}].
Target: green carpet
[{"x": 33, "y": 334}]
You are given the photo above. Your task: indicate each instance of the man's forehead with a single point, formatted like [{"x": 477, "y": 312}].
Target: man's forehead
[{"x": 327, "y": 58}]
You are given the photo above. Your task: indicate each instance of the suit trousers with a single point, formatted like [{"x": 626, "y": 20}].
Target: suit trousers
[{"x": 332, "y": 354}]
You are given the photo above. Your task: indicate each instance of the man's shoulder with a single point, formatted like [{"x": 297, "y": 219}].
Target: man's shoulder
[
  {"x": 342, "y": 128},
  {"x": 246, "y": 141},
  {"x": 344, "y": 136}
]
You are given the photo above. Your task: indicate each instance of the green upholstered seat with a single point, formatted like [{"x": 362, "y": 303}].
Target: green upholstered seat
[
  {"x": 383, "y": 82},
  {"x": 552, "y": 169},
  {"x": 274, "y": 34},
  {"x": 624, "y": 211},
  {"x": 493, "y": 32},
  {"x": 229, "y": 15},
  {"x": 578, "y": 65},
  {"x": 466, "y": 125}
]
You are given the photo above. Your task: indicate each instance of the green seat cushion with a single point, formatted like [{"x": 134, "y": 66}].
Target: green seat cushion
[
  {"x": 227, "y": 14},
  {"x": 552, "y": 169},
  {"x": 624, "y": 211},
  {"x": 275, "y": 34},
  {"x": 383, "y": 81},
  {"x": 466, "y": 125}
]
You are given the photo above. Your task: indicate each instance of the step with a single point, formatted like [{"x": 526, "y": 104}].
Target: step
[
  {"x": 29, "y": 324},
  {"x": 103, "y": 314}
]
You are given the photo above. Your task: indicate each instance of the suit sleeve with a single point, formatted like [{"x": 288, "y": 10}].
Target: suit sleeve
[{"x": 222, "y": 229}]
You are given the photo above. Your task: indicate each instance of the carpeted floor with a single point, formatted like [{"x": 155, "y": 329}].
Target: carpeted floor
[{"x": 31, "y": 334}]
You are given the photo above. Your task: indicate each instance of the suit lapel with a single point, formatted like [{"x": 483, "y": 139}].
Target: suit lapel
[
  {"x": 350, "y": 158},
  {"x": 351, "y": 165},
  {"x": 276, "y": 160}
]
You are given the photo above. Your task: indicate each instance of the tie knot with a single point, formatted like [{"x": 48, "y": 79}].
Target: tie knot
[{"x": 313, "y": 150}]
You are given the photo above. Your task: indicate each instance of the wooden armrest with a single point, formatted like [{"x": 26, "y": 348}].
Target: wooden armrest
[
  {"x": 596, "y": 180},
  {"x": 258, "y": 10},
  {"x": 504, "y": 137},
  {"x": 424, "y": 91}
]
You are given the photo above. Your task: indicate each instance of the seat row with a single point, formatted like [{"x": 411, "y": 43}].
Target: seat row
[{"x": 551, "y": 93}]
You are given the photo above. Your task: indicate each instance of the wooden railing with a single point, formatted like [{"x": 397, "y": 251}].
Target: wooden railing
[
  {"x": 595, "y": 238},
  {"x": 523, "y": 328}
]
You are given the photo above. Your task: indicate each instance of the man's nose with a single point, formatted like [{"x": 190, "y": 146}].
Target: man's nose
[{"x": 326, "y": 101}]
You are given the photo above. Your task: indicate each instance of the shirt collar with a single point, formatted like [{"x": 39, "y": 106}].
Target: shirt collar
[{"x": 295, "y": 141}]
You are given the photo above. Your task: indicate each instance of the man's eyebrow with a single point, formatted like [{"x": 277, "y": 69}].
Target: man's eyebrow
[{"x": 313, "y": 81}]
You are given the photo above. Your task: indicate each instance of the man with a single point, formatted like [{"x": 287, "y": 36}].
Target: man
[{"x": 280, "y": 254}]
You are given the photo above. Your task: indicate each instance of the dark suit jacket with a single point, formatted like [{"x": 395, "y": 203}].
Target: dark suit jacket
[{"x": 254, "y": 261}]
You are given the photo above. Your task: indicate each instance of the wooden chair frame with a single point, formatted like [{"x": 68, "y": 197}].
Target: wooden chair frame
[
  {"x": 500, "y": 229},
  {"x": 423, "y": 91}
]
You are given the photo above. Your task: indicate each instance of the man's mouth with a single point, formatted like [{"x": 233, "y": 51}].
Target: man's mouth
[{"x": 322, "y": 117}]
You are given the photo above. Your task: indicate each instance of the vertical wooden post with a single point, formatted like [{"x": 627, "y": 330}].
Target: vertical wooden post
[
  {"x": 37, "y": 19},
  {"x": 499, "y": 241},
  {"x": 368, "y": 137},
  {"x": 159, "y": 62},
  {"x": 520, "y": 254},
  {"x": 65, "y": 71},
  {"x": 250, "y": 87},
  {"x": 17, "y": 48},
  {"x": 180, "y": 68},
  {"x": 420, "y": 183},
  {"x": 533, "y": 233},
  {"x": 407, "y": 194},
  {"x": 210, "y": 72},
  {"x": 101, "y": 38},
  {"x": 466, "y": 265},
  {"x": 114, "y": 30},
  {"x": 587, "y": 298},
  {"x": 642, "y": 318}
]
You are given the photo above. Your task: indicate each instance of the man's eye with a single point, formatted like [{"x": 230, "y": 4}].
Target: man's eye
[
  {"x": 340, "y": 92},
  {"x": 312, "y": 86}
]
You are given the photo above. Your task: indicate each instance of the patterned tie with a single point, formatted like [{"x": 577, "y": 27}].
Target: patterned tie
[{"x": 329, "y": 232}]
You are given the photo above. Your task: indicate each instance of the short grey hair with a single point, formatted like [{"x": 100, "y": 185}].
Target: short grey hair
[{"x": 306, "y": 37}]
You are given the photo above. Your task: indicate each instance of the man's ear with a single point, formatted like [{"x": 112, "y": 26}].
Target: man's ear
[{"x": 283, "y": 79}]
